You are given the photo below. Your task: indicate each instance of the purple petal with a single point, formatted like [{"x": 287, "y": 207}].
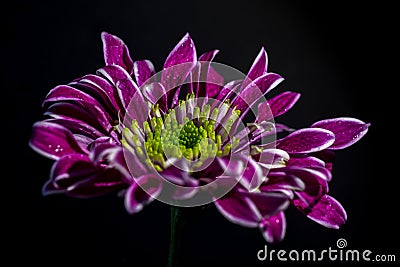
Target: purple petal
[
  {"x": 74, "y": 113},
  {"x": 323, "y": 172},
  {"x": 137, "y": 107},
  {"x": 183, "y": 193},
  {"x": 116, "y": 75},
  {"x": 142, "y": 192},
  {"x": 252, "y": 176},
  {"x": 258, "y": 68},
  {"x": 254, "y": 134},
  {"x": 66, "y": 171},
  {"x": 215, "y": 82},
  {"x": 49, "y": 189},
  {"x": 208, "y": 56},
  {"x": 270, "y": 158},
  {"x": 156, "y": 94},
  {"x": 327, "y": 156},
  {"x": 131, "y": 98},
  {"x": 228, "y": 91},
  {"x": 199, "y": 74},
  {"x": 77, "y": 127},
  {"x": 68, "y": 93},
  {"x": 143, "y": 71},
  {"x": 307, "y": 140},
  {"x": 305, "y": 162},
  {"x": 128, "y": 164},
  {"x": 281, "y": 103},
  {"x": 178, "y": 173},
  {"x": 255, "y": 90},
  {"x": 204, "y": 81},
  {"x": 100, "y": 87},
  {"x": 116, "y": 52},
  {"x": 283, "y": 128},
  {"x": 264, "y": 112},
  {"x": 231, "y": 166},
  {"x": 216, "y": 167},
  {"x": 316, "y": 185},
  {"x": 53, "y": 141},
  {"x": 101, "y": 150},
  {"x": 347, "y": 130},
  {"x": 71, "y": 169},
  {"x": 101, "y": 183},
  {"x": 177, "y": 67},
  {"x": 273, "y": 228},
  {"x": 281, "y": 181},
  {"x": 267, "y": 203},
  {"x": 328, "y": 212},
  {"x": 83, "y": 141},
  {"x": 238, "y": 209}
]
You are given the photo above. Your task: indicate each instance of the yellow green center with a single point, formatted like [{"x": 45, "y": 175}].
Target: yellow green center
[{"x": 167, "y": 137}]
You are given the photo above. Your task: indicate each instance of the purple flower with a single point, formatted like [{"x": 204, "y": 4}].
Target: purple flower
[{"x": 183, "y": 136}]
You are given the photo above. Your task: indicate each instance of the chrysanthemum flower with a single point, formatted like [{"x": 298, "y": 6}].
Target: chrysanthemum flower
[{"x": 187, "y": 137}]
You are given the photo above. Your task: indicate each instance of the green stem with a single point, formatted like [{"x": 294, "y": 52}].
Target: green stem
[{"x": 178, "y": 222}]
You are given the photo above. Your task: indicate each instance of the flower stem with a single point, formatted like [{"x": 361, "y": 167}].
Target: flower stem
[{"x": 178, "y": 222}]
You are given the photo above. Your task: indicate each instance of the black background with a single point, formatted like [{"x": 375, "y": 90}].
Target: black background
[{"x": 336, "y": 55}]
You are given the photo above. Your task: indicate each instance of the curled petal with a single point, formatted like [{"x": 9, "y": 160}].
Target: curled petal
[
  {"x": 67, "y": 93},
  {"x": 77, "y": 127},
  {"x": 238, "y": 209},
  {"x": 178, "y": 173},
  {"x": 231, "y": 166},
  {"x": 328, "y": 212},
  {"x": 248, "y": 209},
  {"x": 130, "y": 96},
  {"x": 267, "y": 203},
  {"x": 273, "y": 228},
  {"x": 307, "y": 140},
  {"x": 68, "y": 170},
  {"x": 116, "y": 52},
  {"x": 99, "y": 88},
  {"x": 316, "y": 185},
  {"x": 143, "y": 191},
  {"x": 73, "y": 113},
  {"x": 272, "y": 158},
  {"x": 281, "y": 181},
  {"x": 101, "y": 183},
  {"x": 53, "y": 140},
  {"x": 252, "y": 175},
  {"x": 128, "y": 163},
  {"x": 347, "y": 130},
  {"x": 156, "y": 94}
]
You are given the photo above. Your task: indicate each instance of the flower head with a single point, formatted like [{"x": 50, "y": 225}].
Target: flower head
[{"x": 187, "y": 136}]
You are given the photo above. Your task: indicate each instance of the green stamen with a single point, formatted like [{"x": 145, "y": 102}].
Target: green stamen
[{"x": 195, "y": 138}]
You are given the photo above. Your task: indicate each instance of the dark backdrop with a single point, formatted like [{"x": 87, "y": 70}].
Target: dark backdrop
[{"x": 330, "y": 52}]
